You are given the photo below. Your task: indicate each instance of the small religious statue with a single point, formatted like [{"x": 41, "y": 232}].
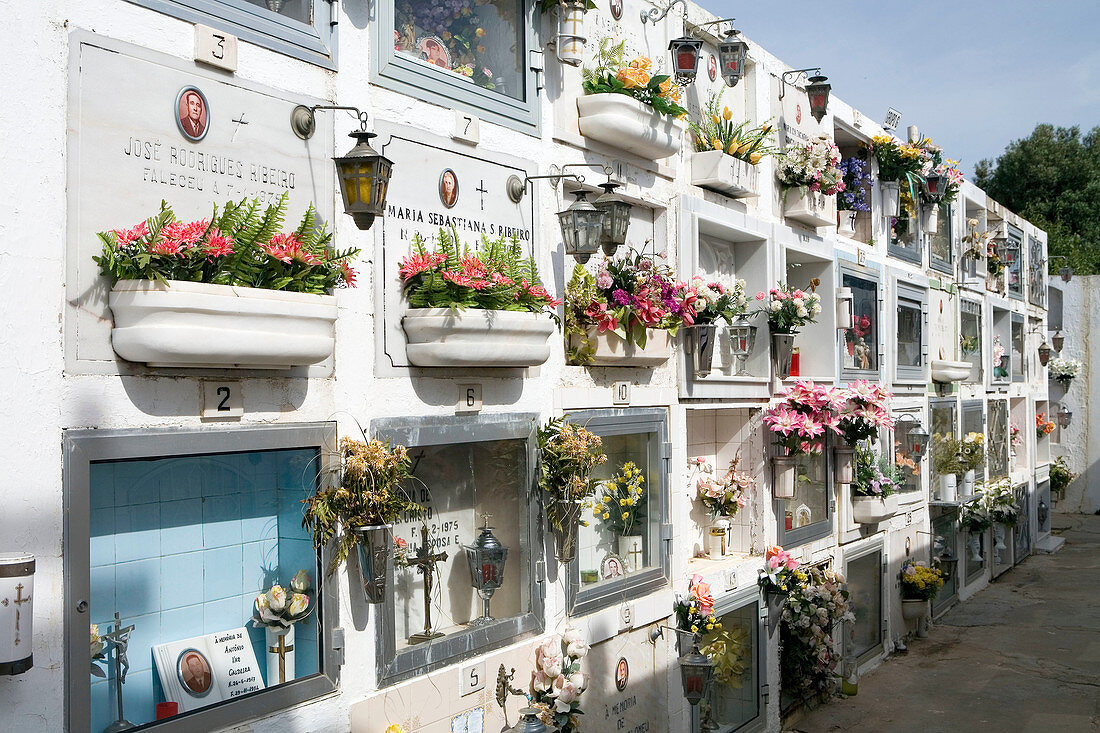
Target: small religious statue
[
  {"x": 117, "y": 640},
  {"x": 425, "y": 562}
]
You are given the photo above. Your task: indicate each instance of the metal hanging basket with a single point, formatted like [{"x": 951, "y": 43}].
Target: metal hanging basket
[{"x": 375, "y": 545}]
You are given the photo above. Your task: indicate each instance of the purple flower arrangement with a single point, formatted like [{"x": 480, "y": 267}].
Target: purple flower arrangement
[{"x": 857, "y": 178}]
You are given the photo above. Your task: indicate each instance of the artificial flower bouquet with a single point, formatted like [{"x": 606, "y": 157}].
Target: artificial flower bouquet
[
  {"x": 714, "y": 130},
  {"x": 557, "y": 681},
  {"x": 920, "y": 582},
  {"x": 629, "y": 295},
  {"x": 695, "y": 611},
  {"x": 1064, "y": 370},
  {"x": 612, "y": 75},
  {"x": 801, "y": 417},
  {"x": 876, "y": 476},
  {"x": 241, "y": 246},
  {"x": 972, "y": 451},
  {"x": 724, "y": 496},
  {"x": 977, "y": 243},
  {"x": 861, "y": 411},
  {"x": 1000, "y": 365},
  {"x": 898, "y": 161},
  {"x": 280, "y": 609},
  {"x": 817, "y": 602},
  {"x": 493, "y": 275},
  {"x": 974, "y": 515},
  {"x": 945, "y": 454},
  {"x": 567, "y": 455},
  {"x": 999, "y": 500},
  {"x": 1015, "y": 437},
  {"x": 789, "y": 309},
  {"x": 731, "y": 652},
  {"x": 622, "y": 505},
  {"x": 371, "y": 492},
  {"x": 1043, "y": 426},
  {"x": 716, "y": 298},
  {"x": 856, "y": 174},
  {"x": 813, "y": 166},
  {"x": 778, "y": 576}
]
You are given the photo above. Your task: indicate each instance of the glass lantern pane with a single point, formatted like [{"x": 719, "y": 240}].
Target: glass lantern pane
[{"x": 480, "y": 43}]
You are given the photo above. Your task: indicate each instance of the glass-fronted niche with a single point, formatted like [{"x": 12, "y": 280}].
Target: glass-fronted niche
[
  {"x": 465, "y": 471},
  {"x": 305, "y": 29},
  {"x": 859, "y": 357},
  {"x": 997, "y": 451},
  {"x": 473, "y": 54},
  {"x": 1036, "y": 271},
  {"x": 621, "y": 549},
  {"x": 809, "y": 514},
  {"x": 172, "y": 536},
  {"x": 909, "y": 467},
  {"x": 734, "y": 695},
  {"x": 1013, "y": 258},
  {"x": 945, "y": 554},
  {"x": 970, "y": 339},
  {"x": 1019, "y": 349},
  {"x": 943, "y": 428},
  {"x": 1021, "y": 532},
  {"x": 911, "y": 337},
  {"x": 941, "y": 248},
  {"x": 903, "y": 241},
  {"x": 973, "y": 421},
  {"x": 864, "y": 638}
]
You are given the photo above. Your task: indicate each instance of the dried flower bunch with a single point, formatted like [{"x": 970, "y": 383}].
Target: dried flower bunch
[
  {"x": 240, "y": 246},
  {"x": 945, "y": 454},
  {"x": 567, "y": 455},
  {"x": 714, "y": 130},
  {"x": 634, "y": 79},
  {"x": 372, "y": 492},
  {"x": 813, "y": 166},
  {"x": 920, "y": 582}
]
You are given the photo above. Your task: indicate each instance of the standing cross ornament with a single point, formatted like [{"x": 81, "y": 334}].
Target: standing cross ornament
[
  {"x": 119, "y": 639},
  {"x": 425, "y": 562}
]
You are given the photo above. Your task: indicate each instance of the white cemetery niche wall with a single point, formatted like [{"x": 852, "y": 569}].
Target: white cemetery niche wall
[
  {"x": 642, "y": 703},
  {"x": 816, "y": 342},
  {"x": 456, "y": 484},
  {"x": 440, "y": 184},
  {"x": 943, "y": 326},
  {"x": 732, "y": 260},
  {"x": 127, "y": 152}
]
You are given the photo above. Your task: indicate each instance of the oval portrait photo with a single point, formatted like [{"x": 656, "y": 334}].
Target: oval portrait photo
[
  {"x": 192, "y": 113},
  {"x": 194, "y": 673},
  {"x": 448, "y": 188}
]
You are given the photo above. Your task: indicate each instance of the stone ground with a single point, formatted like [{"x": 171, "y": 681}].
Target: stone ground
[{"x": 1021, "y": 656}]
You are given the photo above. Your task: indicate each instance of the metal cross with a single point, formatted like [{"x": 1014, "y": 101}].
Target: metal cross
[
  {"x": 482, "y": 191},
  {"x": 634, "y": 553},
  {"x": 281, "y": 650},
  {"x": 425, "y": 562},
  {"x": 19, "y": 601},
  {"x": 239, "y": 122}
]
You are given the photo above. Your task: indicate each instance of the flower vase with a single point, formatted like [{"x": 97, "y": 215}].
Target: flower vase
[
  {"x": 930, "y": 218},
  {"x": 844, "y": 466},
  {"x": 974, "y": 542},
  {"x": 775, "y": 602},
  {"x": 699, "y": 341},
  {"x": 891, "y": 198},
  {"x": 786, "y": 472},
  {"x": 630, "y": 550},
  {"x": 948, "y": 487},
  {"x": 846, "y": 224},
  {"x": 966, "y": 488},
  {"x": 374, "y": 544},
  {"x": 999, "y": 538},
  {"x": 567, "y": 514},
  {"x": 280, "y": 654},
  {"x": 716, "y": 538},
  {"x": 571, "y": 38},
  {"x": 782, "y": 349}
]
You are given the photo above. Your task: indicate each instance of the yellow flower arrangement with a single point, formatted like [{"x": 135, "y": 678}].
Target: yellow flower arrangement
[
  {"x": 626, "y": 490},
  {"x": 714, "y": 130}
]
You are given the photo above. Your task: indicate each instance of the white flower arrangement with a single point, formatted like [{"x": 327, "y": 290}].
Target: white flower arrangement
[
  {"x": 1064, "y": 369},
  {"x": 814, "y": 165}
]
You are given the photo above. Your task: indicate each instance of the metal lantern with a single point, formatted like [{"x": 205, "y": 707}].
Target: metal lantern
[
  {"x": 486, "y": 558},
  {"x": 1064, "y": 417},
  {"x": 685, "y": 58},
  {"x": 364, "y": 178},
  {"x": 696, "y": 671},
  {"x": 16, "y": 612},
  {"x": 529, "y": 722},
  {"x": 1066, "y": 273},
  {"x": 934, "y": 185},
  {"x": 916, "y": 437},
  {"x": 818, "y": 92},
  {"x": 581, "y": 228},
  {"x": 844, "y": 308},
  {"x": 1058, "y": 340},
  {"x": 742, "y": 336},
  {"x": 616, "y": 219},
  {"x": 1044, "y": 353},
  {"x": 731, "y": 58}
]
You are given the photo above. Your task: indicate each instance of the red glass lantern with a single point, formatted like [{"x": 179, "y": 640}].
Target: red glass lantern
[
  {"x": 731, "y": 57},
  {"x": 685, "y": 58},
  {"x": 818, "y": 92}
]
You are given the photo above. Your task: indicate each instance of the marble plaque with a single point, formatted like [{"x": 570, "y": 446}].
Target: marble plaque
[
  {"x": 642, "y": 706},
  {"x": 146, "y": 127}
]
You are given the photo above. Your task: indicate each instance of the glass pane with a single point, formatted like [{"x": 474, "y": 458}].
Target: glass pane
[
  {"x": 480, "y": 42},
  {"x": 903, "y": 235},
  {"x": 1017, "y": 349},
  {"x": 1013, "y": 261},
  {"x": 944, "y": 542},
  {"x": 180, "y": 548},
  {"x": 908, "y": 467},
  {"x": 810, "y": 504},
  {"x": 909, "y": 334},
  {"x": 1021, "y": 535},
  {"x": 972, "y": 419},
  {"x": 998, "y": 438},
  {"x": 941, "y": 250},
  {"x": 970, "y": 342},
  {"x": 1036, "y": 268},
  {"x": 622, "y": 535},
  {"x": 735, "y": 650},
  {"x": 458, "y": 483},
  {"x": 943, "y": 426},
  {"x": 861, "y": 341},
  {"x": 297, "y": 9},
  {"x": 865, "y": 587}
]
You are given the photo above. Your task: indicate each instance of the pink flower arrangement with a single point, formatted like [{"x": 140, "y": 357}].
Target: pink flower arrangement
[
  {"x": 806, "y": 412},
  {"x": 862, "y": 411},
  {"x": 723, "y": 496},
  {"x": 557, "y": 681},
  {"x": 778, "y": 567},
  {"x": 695, "y": 611},
  {"x": 789, "y": 309}
]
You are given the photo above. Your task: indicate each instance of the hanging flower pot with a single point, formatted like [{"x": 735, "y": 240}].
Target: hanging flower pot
[
  {"x": 474, "y": 337},
  {"x": 846, "y": 223},
  {"x": 930, "y": 218},
  {"x": 775, "y": 602},
  {"x": 915, "y": 609},
  {"x": 571, "y": 38},
  {"x": 785, "y": 474},
  {"x": 948, "y": 487},
  {"x": 565, "y": 520},
  {"x": 812, "y": 208},
  {"x": 627, "y": 124},
  {"x": 844, "y": 464},
  {"x": 873, "y": 509},
  {"x": 375, "y": 544},
  {"x": 891, "y": 198},
  {"x": 613, "y": 349},
  {"x": 782, "y": 350},
  {"x": 699, "y": 341},
  {"x": 716, "y": 170}
]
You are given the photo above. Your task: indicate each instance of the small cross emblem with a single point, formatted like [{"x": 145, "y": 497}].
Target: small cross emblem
[
  {"x": 482, "y": 190},
  {"x": 240, "y": 121},
  {"x": 19, "y": 600}
]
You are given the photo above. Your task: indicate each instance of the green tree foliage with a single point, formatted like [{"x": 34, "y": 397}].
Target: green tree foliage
[{"x": 1052, "y": 178}]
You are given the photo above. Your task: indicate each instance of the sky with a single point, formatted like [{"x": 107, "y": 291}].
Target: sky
[{"x": 973, "y": 75}]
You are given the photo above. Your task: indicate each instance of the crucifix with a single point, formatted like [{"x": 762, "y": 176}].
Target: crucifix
[
  {"x": 425, "y": 562},
  {"x": 482, "y": 190},
  {"x": 18, "y": 601},
  {"x": 119, "y": 639},
  {"x": 281, "y": 650},
  {"x": 634, "y": 551},
  {"x": 240, "y": 121}
]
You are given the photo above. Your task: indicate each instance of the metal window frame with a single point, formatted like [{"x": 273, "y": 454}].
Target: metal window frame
[
  {"x": 940, "y": 402},
  {"x": 395, "y": 666},
  {"x": 1014, "y": 233},
  {"x": 391, "y": 71},
  {"x": 1018, "y": 318},
  {"x": 980, "y": 312},
  {"x": 916, "y": 494},
  {"x": 82, "y": 447},
  {"x": 867, "y": 274},
  {"x": 904, "y": 253},
  {"x": 627, "y": 421},
  {"x": 990, "y": 427},
  {"x": 859, "y": 551},
  {"x": 1036, "y": 269},
  {"x": 314, "y": 43},
  {"x": 919, "y": 297},
  {"x": 947, "y": 601},
  {"x": 936, "y": 263},
  {"x": 801, "y": 535}
]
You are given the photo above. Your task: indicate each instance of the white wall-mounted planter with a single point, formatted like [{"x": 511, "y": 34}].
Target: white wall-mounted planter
[
  {"x": 891, "y": 198},
  {"x": 625, "y": 123},
  {"x": 614, "y": 350},
  {"x": 724, "y": 173},
  {"x": 186, "y": 324},
  {"x": 873, "y": 509},
  {"x": 946, "y": 372},
  {"x": 445, "y": 337},
  {"x": 812, "y": 208}
]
